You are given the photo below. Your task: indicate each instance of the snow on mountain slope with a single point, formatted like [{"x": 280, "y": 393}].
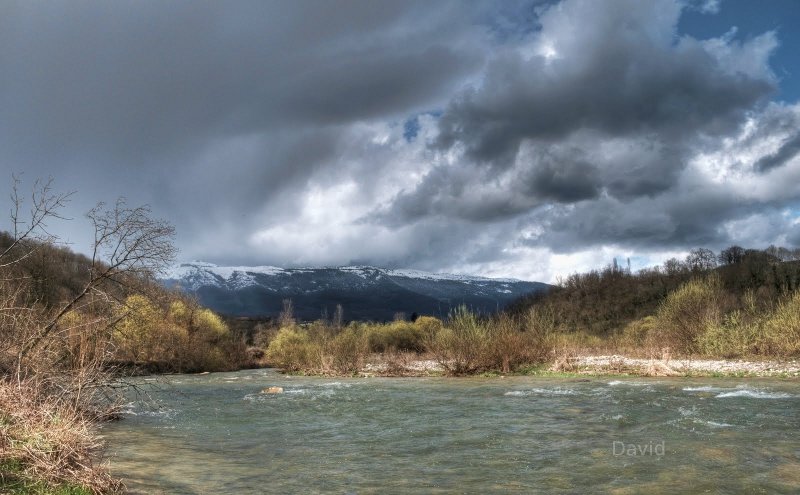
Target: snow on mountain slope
[
  {"x": 367, "y": 292},
  {"x": 202, "y": 273}
]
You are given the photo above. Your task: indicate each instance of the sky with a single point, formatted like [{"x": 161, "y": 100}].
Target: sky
[{"x": 526, "y": 139}]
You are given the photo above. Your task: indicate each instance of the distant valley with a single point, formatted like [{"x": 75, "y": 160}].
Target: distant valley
[{"x": 365, "y": 292}]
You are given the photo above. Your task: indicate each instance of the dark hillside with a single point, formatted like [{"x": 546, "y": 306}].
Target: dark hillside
[
  {"x": 600, "y": 302},
  {"x": 53, "y": 273}
]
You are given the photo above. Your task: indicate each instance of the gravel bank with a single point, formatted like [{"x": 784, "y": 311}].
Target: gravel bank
[
  {"x": 611, "y": 364},
  {"x": 677, "y": 367}
]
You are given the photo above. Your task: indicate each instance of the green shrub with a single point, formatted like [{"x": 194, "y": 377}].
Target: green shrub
[
  {"x": 428, "y": 325},
  {"x": 349, "y": 350},
  {"x": 687, "y": 312},
  {"x": 180, "y": 336},
  {"x": 292, "y": 350},
  {"x": 736, "y": 335},
  {"x": 396, "y": 336},
  {"x": 781, "y": 332},
  {"x": 636, "y": 334}
]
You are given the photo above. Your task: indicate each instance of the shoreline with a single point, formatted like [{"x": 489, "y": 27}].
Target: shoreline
[
  {"x": 598, "y": 364},
  {"x": 589, "y": 365}
]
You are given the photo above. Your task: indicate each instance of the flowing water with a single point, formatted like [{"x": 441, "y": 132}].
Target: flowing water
[{"x": 217, "y": 433}]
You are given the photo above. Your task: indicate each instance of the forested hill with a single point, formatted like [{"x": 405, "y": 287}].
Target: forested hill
[
  {"x": 603, "y": 301},
  {"x": 52, "y": 273},
  {"x": 128, "y": 321}
]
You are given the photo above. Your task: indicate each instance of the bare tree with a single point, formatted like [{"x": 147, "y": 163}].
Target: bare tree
[
  {"x": 286, "y": 318},
  {"x": 338, "y": 317},
  {"x": 701, "y": 259},
  {"x": 673, "y": 266},
  {"x": 732, "y": 255},
  {"x": 30, "y": 216},
  {"x": 35, "y": 338},
  {"x": 783, "y": 254},
  {"x": 128, "y": 246},
  {"x": 27, "y": 230}
]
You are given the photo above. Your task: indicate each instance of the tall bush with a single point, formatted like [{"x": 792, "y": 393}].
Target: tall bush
[
  {"x": 515, "y": 341},
  {"x": 293, "y": 350},
  {"x": 781, "y": 334},
  {"x": 462, "y": 346},
  {"x": 683, "y": 317},
  {"x": 349, "y": 350},
  {"x": 396, "y": 336}
]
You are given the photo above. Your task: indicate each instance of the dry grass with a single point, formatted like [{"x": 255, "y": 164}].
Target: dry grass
[
  {"x": 781, "y": 330},
  {"x": 47, "y": 440},
  {"x": 682, "y": 318}
]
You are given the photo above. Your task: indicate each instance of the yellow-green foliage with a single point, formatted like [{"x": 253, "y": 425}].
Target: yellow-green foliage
[
  {"x": 428, "y": 325},
  {"x": 636, "y": 333},
  {"x": 465, "y": 343},
  {"x": 349, "y": 349},
  {"x": 180, "y": 313},
  {"x": 686, "y": 313},
  {"x": 181, "y": 336},
  {"x": 320, "y": 346},
  {"x": 756, "y": 330},
  {"x": 293, "y": 350},
  {"x": 209, "y": 325},
  {"x": 736, "y": 335},
  {"x": 396, "y": 336},
  {"x": 781, "y": 334},
  {"x": 137, "y": 332}
]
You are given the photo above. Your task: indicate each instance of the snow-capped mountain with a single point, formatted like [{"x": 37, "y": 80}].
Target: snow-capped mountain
[{"x": 365, "y": 292}]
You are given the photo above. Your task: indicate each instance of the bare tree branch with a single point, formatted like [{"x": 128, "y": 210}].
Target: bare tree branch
[
  {"x": 45, "y": 205},
  {"x": 128, "y": 244}
]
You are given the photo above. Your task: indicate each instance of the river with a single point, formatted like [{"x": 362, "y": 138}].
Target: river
[{"x": 218, "y": 434}]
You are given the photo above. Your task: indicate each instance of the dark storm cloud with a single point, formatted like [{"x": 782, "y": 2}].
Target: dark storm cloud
[
  {"x": 175, "y": 103},
  {"x": 605, "y": 109},
  {"x": 633, "y": 88},
  {"x": 666, "y": 223},
  {"x": 564, "y": 181},
  {"x": 786, "y": 152},
  {"x": 140, "y": 77},
  {"x": 435, "y": 135},
  {"x": 617, "y": 75}
]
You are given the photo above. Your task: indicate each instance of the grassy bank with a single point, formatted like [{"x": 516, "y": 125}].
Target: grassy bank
[{"x": 47, "y": 446}]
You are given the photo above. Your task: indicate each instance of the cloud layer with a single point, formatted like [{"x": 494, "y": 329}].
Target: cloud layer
[{"x": 524, "y": 142}]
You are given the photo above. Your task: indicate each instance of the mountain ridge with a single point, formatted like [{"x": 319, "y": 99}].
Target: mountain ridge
[{"x": 365, "y": 292}]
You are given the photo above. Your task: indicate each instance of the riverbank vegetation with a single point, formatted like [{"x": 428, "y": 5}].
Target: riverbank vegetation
[
  {"x": 736, "y": 304},
  {"x": 72, "y": 326}
]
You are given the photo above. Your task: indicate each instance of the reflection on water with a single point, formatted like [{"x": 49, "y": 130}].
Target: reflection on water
[{"x": 217, "y": 433}]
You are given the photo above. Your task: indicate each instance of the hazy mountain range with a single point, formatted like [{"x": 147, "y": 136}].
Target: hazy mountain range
[{"x": 365, "y": 292}]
